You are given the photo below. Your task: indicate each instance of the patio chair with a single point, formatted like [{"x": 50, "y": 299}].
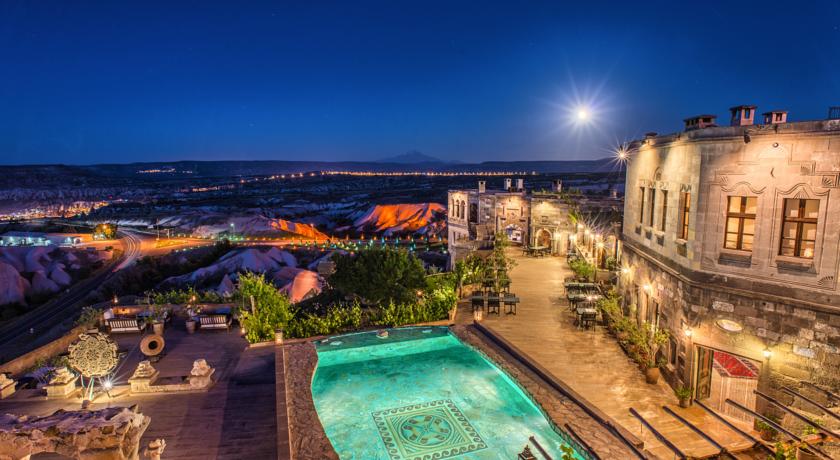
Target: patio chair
[
  {"x": 124, "y": 325},
  {"x": 477, "y": 304},
  {"x": 493, "y": 304},
  {"x": 214, "y": 322},
  {"x": 510, "y": 305}
]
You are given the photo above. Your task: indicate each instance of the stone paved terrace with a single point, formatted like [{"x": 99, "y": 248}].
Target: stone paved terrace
[
  {"x": 593, "y": 364},
  {"x": 234, "y": 419}
]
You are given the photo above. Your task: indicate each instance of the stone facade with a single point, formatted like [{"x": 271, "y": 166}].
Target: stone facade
[
  {"x": 690, "y": 267},
  {"x": 536, "y": 219}
]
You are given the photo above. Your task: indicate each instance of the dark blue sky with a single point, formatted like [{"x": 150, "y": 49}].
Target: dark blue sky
[{"x": 91, "y": 82}]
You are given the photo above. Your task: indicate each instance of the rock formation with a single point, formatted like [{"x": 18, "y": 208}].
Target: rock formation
[{"x": 108, "y": 434}]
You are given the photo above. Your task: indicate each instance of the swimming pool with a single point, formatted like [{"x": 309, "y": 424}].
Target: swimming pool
[{"x": 421, "y": 394}]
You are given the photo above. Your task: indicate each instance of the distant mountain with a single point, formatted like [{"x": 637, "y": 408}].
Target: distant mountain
[{"x": 413, "y": 157}]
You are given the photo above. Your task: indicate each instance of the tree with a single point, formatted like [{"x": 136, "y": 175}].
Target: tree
[
  {"x": 271, "y": 309},
  {"x": 379, "y": 276}
]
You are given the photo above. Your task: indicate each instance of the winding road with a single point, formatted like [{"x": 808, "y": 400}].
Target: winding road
[{"x": 19, "y": 335}]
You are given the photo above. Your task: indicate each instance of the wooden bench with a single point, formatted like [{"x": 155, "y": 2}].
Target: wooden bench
[
  {"x": 214, "y": 322},
  {"x": 124, "y": 325}
]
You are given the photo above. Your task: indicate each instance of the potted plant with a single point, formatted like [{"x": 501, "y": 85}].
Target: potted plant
[
  {"x": 157, "y": 317},
  {"x": 656, "y": 337},
  {"x": 192, "y": 312},
  {"x": 765, "y": 430},
  {"x": 89, "y": 318},
  {"x": 684, "y": 395}
]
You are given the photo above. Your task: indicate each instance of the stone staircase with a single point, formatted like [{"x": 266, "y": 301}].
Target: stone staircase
[{"x": 685, "y": 439}]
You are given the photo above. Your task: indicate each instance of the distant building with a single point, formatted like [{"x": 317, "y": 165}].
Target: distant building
[
  {"x": 40, "y": 239},
  {"x": 731, "y": 242},
  {"x": 475, "y": 216}
]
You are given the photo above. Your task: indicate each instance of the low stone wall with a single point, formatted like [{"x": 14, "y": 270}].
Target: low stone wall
[
  {"x": 307, "y": 438},
  {"x": 22, "y": 363}
]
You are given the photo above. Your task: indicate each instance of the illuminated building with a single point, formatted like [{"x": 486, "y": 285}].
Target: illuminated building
[{"x": 734, "y": 232}]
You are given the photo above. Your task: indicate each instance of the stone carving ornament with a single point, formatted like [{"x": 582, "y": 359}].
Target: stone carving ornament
[{"x": 94, "y": 355}]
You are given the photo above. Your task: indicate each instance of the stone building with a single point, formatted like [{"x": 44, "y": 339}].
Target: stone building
[
  {"x": 474, "y": 216},
  {"x": 731, "y": 242}
]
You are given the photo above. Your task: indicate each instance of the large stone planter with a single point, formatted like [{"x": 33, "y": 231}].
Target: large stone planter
[
  {"x": 652, "y": 375},
  {"x": 157, "y": 326},
  {"x": 190, "y": 326}
]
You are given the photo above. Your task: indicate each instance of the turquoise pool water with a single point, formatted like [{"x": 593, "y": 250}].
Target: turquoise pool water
[{"x": 421, "y": 394}]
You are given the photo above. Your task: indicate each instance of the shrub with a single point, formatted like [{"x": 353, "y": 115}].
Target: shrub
[
  {"x": 379, "y": 276},
  {"x": 89, "y": 317},
  {"x": 183, "y": 296},
  {"x": 338, "y": 318},
  {"x": 582, "y": 268},
  {"x": 271, "y": 309}
]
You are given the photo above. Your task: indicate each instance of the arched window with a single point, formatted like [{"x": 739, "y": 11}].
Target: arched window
[{"x": 463, "y": 210}]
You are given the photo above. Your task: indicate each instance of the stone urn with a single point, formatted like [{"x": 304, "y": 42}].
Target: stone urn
[
  {"x": 157, "y": 326},
  {"x": 652, "y": 375},
  {"x": 190, "y": 326}
]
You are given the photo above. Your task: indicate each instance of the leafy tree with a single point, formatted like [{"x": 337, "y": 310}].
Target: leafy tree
[
  {"x": 271, "y": 309},
  {"x": 379, "y": 276}
]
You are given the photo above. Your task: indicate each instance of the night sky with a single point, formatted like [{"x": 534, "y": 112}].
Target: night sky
[{"x": 93, "y": 82}]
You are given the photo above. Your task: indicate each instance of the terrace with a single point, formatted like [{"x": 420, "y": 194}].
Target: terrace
[
  {"x": 593, "y": 365},
  {"x": 234, "y": 418}
]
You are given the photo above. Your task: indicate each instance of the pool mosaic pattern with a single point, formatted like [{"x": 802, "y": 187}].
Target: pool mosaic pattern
[
  {"x": 422, "y": 394},
  {"x": 435, "y": 429}
]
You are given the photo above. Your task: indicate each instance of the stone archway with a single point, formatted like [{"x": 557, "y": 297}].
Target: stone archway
[{"x": 543, "y": 238}]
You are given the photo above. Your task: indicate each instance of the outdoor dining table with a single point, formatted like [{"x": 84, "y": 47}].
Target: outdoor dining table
[
  {"x": 588, "y": 312},
  {"x": 538, "y": 250}
]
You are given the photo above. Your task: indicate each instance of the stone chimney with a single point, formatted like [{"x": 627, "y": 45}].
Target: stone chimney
[
  {"x": 507, "y": 184},
  {"x": 742, "y": 115},
  {"x": 557, "y": 186},
  {"x": 482, "y": 186},
  {"x": 520, "y": 185},
  {"x": 700, "y": 122},
  {"x": 775, "y": 116}
]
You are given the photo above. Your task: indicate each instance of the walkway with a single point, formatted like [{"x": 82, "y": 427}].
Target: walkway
[{"x": 594, "y": 365}]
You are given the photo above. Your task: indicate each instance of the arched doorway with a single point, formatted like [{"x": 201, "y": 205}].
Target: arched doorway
[
  {"x": 543, "y": 238},
  {"x": 514, "y": 233}
]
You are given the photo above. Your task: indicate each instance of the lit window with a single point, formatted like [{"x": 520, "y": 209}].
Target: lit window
[
  {"x": 799, "y": 228},
  {"x": 686, "y": 211},
  {"x": 740, "y": 223}
]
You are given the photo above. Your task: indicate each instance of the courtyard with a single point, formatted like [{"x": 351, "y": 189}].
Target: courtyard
[{"x": 593, "y": 364}]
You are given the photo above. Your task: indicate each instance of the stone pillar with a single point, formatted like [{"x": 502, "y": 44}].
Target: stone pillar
[
  {"x": 7, "y": 386},
  {"x": 62, "y": 384},
  {"x": 143, "y": 378}
]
